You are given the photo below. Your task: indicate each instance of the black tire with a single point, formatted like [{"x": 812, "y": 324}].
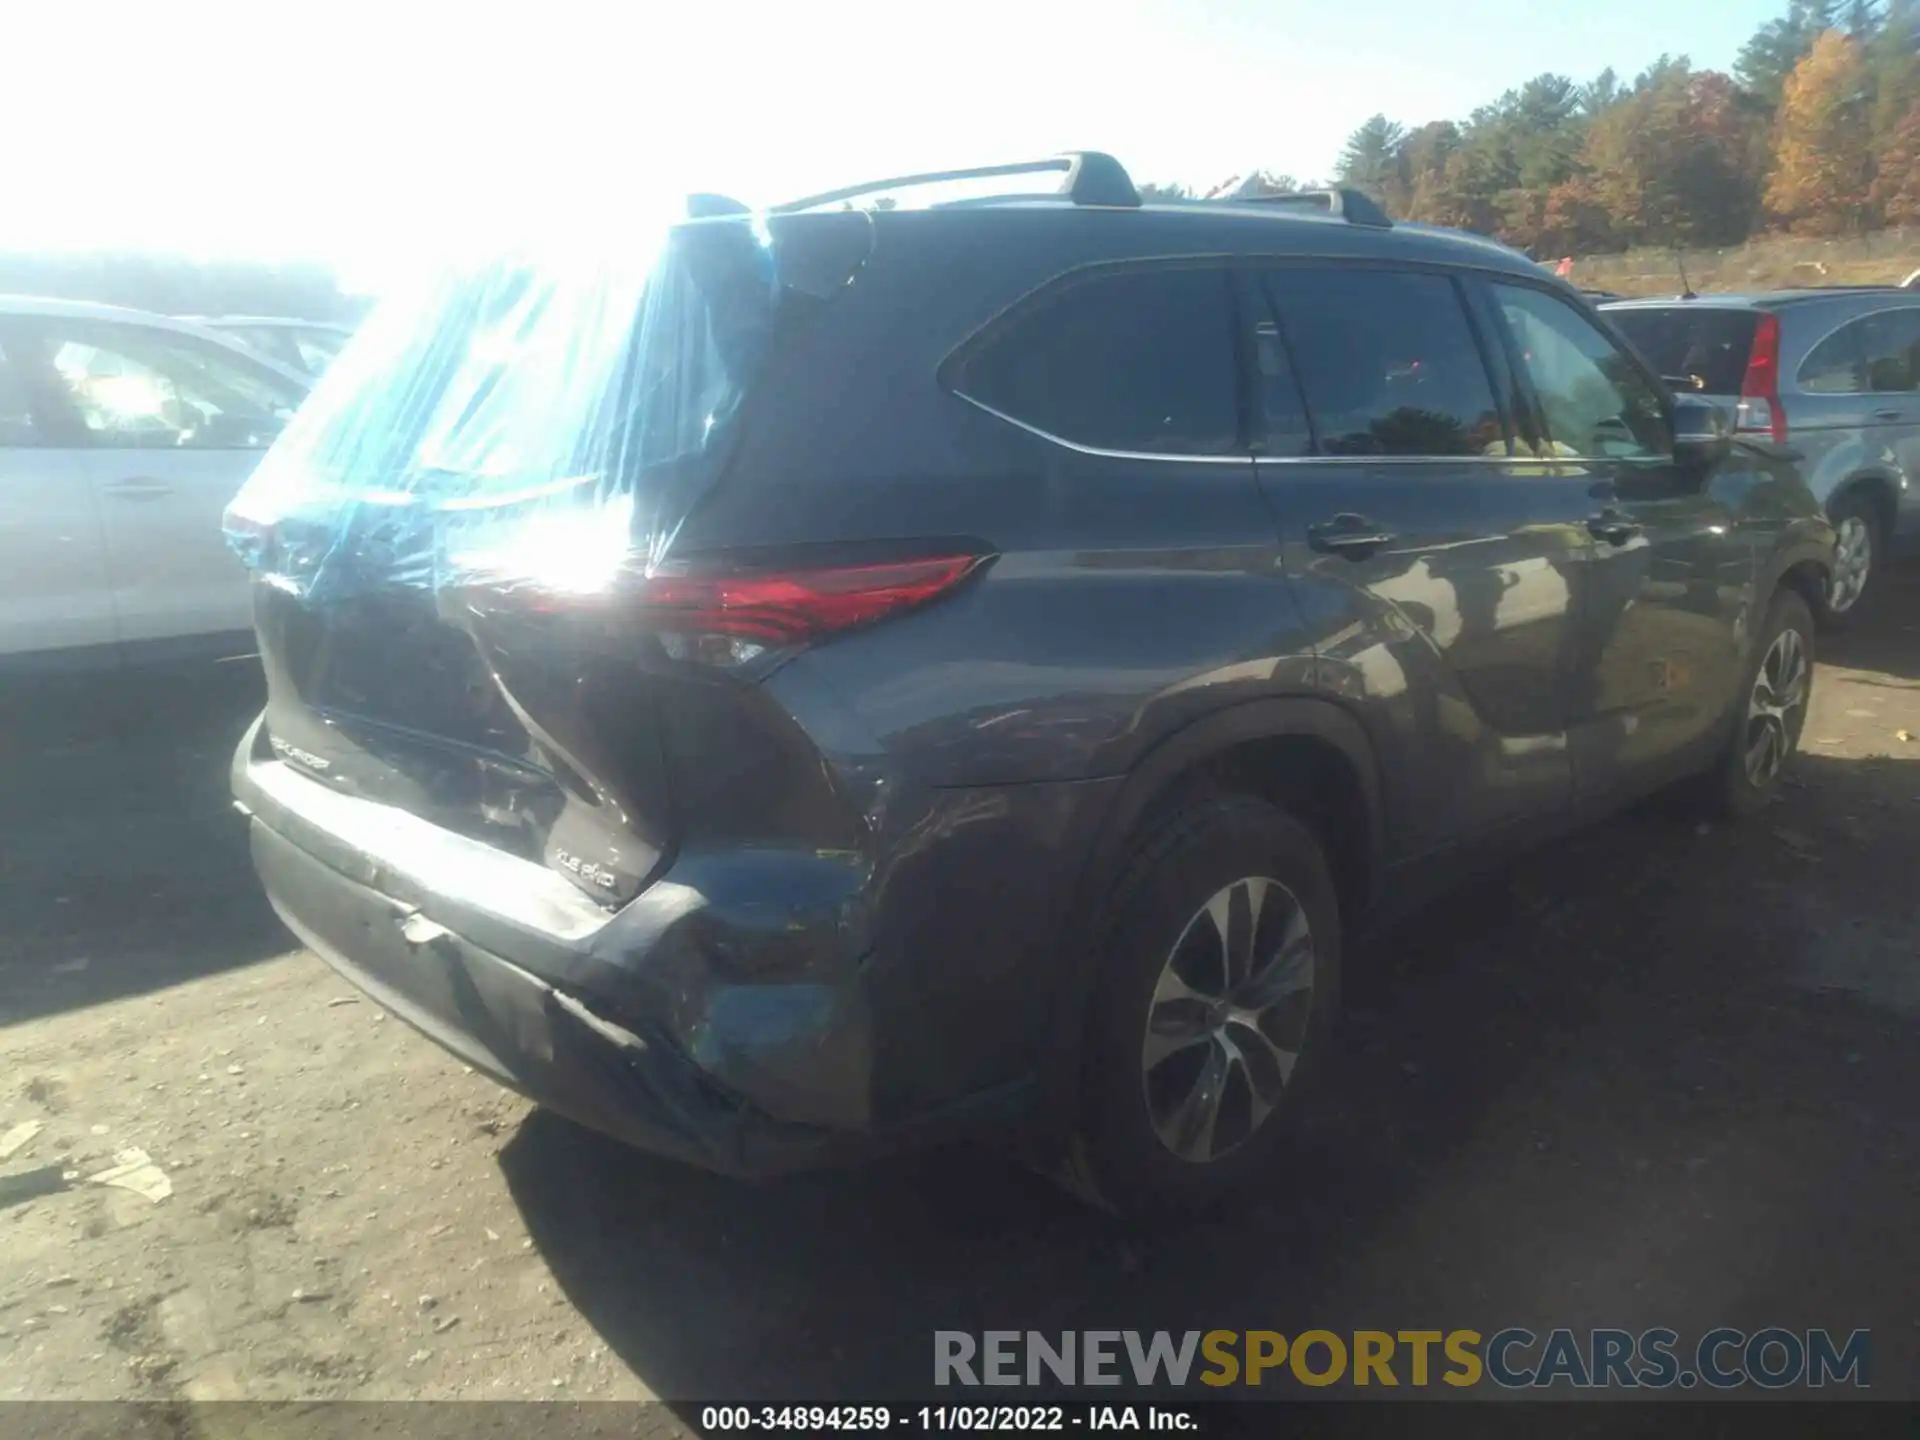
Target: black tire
[
  {"x": 1859, "y": 521},
  {"x": 1733, "y": 789},
  {"x": 1204, "y": 847}
]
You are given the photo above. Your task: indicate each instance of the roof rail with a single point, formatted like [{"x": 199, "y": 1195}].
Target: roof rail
[
  {"x": 1089, "y": 178},
  {"x": 1341, "y": 202}
]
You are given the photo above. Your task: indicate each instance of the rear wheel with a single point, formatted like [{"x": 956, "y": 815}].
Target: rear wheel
[
  {"x": 1858, "y": 527},
  {"x": 1219, "y": 984},
  {"x": 1773, "y": 711}
]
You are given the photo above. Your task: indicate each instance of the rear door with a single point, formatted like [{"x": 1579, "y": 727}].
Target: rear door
[
  {"x": 171, "y": 425},
  {"x": 1889, "y": 346},
  {"x": 1661, "y": 657},
  {"x": 1440, "y": 569},
  {"x": 54, "y": 590}
]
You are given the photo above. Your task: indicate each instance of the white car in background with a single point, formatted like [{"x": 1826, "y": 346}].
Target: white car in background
[
  {"x": 307, "y": 346},
  {"x": 123, "y": 435}
]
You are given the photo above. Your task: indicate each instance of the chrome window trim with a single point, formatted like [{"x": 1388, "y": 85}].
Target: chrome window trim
[
  {"x": 1243, "y": 458},
  {"x": 1533, "y": 460},
  {"x": 1079, "y": 449},
  {"x": 1400, "y": 459}
]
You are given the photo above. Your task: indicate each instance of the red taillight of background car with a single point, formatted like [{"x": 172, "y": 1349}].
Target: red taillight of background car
[{"x": 1760, "y": 410}]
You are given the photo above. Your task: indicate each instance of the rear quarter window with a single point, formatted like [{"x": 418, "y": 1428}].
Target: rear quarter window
[
  {"x": 1833, "y": 368},
  {"x": 1139, "y": 361}
]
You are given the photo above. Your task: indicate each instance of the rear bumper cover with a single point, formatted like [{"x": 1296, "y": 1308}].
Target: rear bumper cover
[
  {"x": 520, "y": 1029},
  {"x": 633, "y": 1023}
]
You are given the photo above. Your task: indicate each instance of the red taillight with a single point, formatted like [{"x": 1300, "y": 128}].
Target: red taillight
[
  {"x": 1760, "y": 408},
  {"x": 731, "y": 617}
]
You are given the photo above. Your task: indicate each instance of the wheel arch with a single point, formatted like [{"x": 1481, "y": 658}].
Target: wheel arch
[
  {"x": 1309, "y": 756},
  {"x": 1806, "y": 578},
  {"x": 1879, "y": 487}
]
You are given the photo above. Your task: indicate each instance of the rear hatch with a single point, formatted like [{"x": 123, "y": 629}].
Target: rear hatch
[
  {"x": 443, "y": 537},
  {"x": 1697, "y": 348}
]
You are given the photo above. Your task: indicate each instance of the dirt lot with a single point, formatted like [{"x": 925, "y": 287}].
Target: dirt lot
[{"x": 1661, "y": 1074}]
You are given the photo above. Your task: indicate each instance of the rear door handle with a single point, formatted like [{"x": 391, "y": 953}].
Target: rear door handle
[
  {"x": 138, "y": 488},
  {"x": 1612, "y": 526},
  {"x": 1889, "y": 415},
  {"x": 1354, "y": 536}
]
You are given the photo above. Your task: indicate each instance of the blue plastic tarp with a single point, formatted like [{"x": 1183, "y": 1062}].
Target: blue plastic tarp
[{"x": 535, "y": 418}]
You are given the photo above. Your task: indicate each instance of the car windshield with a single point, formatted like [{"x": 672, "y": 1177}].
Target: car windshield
[{"x": 1693, "y": 343}]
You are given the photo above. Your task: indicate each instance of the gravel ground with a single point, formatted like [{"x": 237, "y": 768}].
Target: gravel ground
[{"x": 1661, "y": 1074}]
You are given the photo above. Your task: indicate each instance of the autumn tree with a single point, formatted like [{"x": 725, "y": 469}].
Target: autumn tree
[
  {"x": 1675, "y": 163},
  {"x": 1823, "y": 101},
  {"x": 1723, "y": 167},
  {"x": 1892, "y": 54},
  {"x": 1600, "y": 93},
  {"x": 1423, "y": 161},
  {"x": 1822, "y": 158},
  {"x": 1768, "y": 58},
  {"x": 1896, "y": 182},
  {"x": 1573, "y": 221},
  {"x": 1371, "y": 161}
]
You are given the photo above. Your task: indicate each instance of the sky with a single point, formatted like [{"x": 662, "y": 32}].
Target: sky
[{"x": 373, "y": 136}]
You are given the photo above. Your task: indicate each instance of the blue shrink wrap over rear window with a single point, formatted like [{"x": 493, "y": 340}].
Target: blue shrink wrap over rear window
[{"x": 538, "y": 417}]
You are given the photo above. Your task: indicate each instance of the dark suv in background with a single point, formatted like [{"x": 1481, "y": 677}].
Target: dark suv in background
[
  {"x": 1099, "y": 614},
  {"x": 1832, "y": 377}
]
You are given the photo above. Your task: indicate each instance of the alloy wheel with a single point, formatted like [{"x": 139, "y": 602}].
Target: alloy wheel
[
  {"x": 1852, "y": 563},
  {"x": 1776, "y": 708},
  {"x": 1228, "y": 1019}
]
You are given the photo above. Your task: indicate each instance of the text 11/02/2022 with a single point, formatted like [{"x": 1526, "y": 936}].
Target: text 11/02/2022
[{"x": 996, "y": 1419}]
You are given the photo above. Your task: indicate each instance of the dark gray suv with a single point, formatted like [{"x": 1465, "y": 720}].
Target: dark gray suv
[
  {"x": 1092, "y": 617},
  {"x": 1829, "y": 376}
]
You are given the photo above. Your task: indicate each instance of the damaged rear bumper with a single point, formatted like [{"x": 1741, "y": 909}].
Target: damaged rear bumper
[{"x": 627, "y": 1023}]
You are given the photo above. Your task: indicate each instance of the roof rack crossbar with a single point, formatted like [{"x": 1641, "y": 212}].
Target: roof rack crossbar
[
  {"x": 1341, "y": 202},
  {"x": 1088, "y": 178}
]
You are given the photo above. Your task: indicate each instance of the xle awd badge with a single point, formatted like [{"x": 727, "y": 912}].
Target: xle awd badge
[
  {"x": 588, "y": 871},
  {"x": 297, "y": 755}
]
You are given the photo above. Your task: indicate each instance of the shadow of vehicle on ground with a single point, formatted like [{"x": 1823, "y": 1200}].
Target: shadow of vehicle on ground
[
  {"x": 1885, "y": 637},
  {"x": 123, "y": 866}
]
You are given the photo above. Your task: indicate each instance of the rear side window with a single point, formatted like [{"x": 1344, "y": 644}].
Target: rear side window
[
  {"x": 1387, "y": 361},
  {"x": 1834, "y": 366},
  {"x": 1889, "y": 351},
  {"x": 137, "y": 387},
  {"x": 1698, "y": 350},
  {"x": 1131, "y": 360}
]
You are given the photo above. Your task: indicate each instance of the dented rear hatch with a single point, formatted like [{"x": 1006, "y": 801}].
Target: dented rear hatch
[{"x": 441, "y": 537}]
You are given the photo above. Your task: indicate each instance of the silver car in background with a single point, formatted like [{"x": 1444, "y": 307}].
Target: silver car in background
[
  {"x": 123, "y": 435},
  {"x": 1832, "y": 374}
]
